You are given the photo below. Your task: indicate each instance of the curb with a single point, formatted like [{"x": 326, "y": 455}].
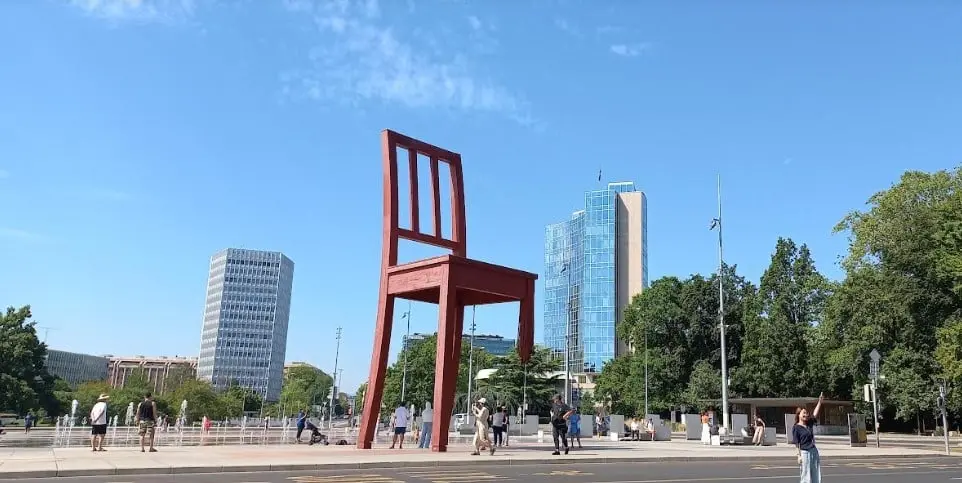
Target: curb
[{"x": 185, "y": 470}]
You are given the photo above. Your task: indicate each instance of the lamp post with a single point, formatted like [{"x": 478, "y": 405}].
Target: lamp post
[
  {"x": 407, "y": 340},
  {"x": 337, "y": 353},
  {"x": 565, "y": 269},
  {"x": 717, "y": 223},
  {"x": 646, "y": 370},
  {"x": 874, "y": 358},
  {"x": 943, "y": 394},
  {"x": 471, "y": 362}
]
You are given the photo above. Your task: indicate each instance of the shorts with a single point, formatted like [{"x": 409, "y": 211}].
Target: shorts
[
  {"x": 400, "y": 430},
  {"x": 98, "y": 429},
  {"x": 146, "y": 428}
]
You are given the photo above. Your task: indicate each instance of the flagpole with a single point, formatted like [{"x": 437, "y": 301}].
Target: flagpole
[{"x": 721, "y": 315}]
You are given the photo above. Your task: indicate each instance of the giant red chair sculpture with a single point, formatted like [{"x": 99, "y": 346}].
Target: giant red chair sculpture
[{"x": 451, "y": 281}]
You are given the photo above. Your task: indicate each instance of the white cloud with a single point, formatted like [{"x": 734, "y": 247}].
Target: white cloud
[
  {"x": 566, "y": 27},
  {"x": 154, "y": 10},
  {"x": 368, "y": 61},
  {"x": 632, "y": 50},
  {"x": 475, "y": 22}
]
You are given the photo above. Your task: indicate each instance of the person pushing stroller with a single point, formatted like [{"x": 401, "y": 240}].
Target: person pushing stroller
[{"x": 316, "y": 436}]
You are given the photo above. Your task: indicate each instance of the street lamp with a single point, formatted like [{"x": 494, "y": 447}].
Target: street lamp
[
  {"x": 564, "y": 269},
  {"x": 407, "y": 340},
  {"x": 337, "y": 353},
  {"x": 646, "y": 370},
  {"x": 471, "y": 362},
  {"x": 717, "y": 223}
]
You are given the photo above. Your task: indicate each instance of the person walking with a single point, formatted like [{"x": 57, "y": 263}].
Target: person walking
[
  {"x": 574, "y": 428},
  {"x": 497, "y": 425},
  {"x": 27, "y": 422},
  {"x": 400, "y": 423},
  {"x": 803, "y": 437},
  {"x": 98, "y": 423},
  {"x": 560, "y": 412},
  {"x": 705, "y": 429},
  {"x": 427, "y": 424},
  {"x": 147, "y": 422},
  {"x": 481, "y": 438},
  {"x": 759, "y": 437},
  {"x": 506, "y": 424},
  {"x": 300, "y": 421}
]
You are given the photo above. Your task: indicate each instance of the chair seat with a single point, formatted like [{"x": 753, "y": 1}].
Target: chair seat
[{"x": 476, "y": 282}]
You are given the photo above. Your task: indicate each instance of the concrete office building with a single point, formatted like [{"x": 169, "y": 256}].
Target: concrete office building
[
  {"x": 244, "y": 335},
  {"x": 162, "y": 372},
  {"x": 594, "y": 264},
  {"x": 74, "y": 367}
]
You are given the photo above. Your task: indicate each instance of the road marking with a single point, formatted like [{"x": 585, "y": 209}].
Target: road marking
[
  {"x": 564, "y": 473},
  {"x": 345, "y": 479},
  {"x": 453, "y": 476}
]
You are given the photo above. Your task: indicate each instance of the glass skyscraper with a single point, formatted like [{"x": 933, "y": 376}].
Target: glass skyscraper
[
  {"x": 244, "y": 336},
  {"x": 594, "y": 263}
]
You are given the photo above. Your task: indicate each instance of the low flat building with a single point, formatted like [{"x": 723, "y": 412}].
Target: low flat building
[
  {"x": 157, "y": 370},
  {"x": 76, "y": 368},
  {"x": 495, "y": 345}
]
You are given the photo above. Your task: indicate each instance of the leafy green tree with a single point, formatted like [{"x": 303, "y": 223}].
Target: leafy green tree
[
  {"x": 201, "y": 399},
  {"x": 303, "y": 388},
  {"x": 703, "y": 386},
  {"x": 790, "y": 303},
  {"x": 24, "y": 381}
]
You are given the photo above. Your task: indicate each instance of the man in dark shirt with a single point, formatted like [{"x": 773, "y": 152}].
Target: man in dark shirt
[{"x": 560, "y": 412}]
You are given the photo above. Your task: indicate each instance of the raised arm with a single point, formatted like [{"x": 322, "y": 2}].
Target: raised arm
[{"x": 818, "y": 407}]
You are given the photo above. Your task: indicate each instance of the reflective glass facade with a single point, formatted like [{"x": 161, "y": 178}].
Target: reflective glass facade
[
  {"x": 581, "y": 276},
  {"x": 244, "y": 335}
]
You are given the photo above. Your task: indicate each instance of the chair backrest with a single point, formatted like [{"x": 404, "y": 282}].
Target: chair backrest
[{"x": 390, "y": 142}]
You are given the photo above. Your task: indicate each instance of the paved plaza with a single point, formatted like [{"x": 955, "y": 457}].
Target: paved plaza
[{"x": 67, "y": 462}]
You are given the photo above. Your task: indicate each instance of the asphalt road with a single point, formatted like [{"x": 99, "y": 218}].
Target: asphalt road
[{"x": 925, "y": 470}]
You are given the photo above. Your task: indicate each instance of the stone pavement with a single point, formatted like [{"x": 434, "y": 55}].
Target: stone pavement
[{"x": 52, "y": 462}]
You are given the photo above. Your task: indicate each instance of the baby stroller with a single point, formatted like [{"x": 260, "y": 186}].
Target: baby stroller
[{"x": 316, "y": 436}]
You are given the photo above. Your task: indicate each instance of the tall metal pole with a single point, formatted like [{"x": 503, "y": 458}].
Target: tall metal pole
[
  {"x": 721, "y": 313},
  {"x": 945, "y": 419},
  {"x": 524, "y": 393},
  {"x": 646, "y": 371},
  {"x": 471, "y": 362},
  {"x": 330, "y": 409},
  {"x": 878, "y": 443},
  {"x": 407, "y": 340},
  {"x": 567, "y": 268}
]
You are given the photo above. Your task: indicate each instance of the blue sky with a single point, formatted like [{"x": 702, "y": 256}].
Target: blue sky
[{"x": 138, "y": 137}]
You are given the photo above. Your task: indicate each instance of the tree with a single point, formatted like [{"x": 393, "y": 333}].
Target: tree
[
  {"x": 304, "y": 387},
  {"x": 703, "y": 386},
  {"x": 902, "y": 293},
  {"x": 421, "y": 365},
  {"x": 24, "y": 381},
  {"x": 677, "y": 320},
  {"x": 789, "y": 305},
  {"x": 513, "y": 383},
  {"x": 201, "y": 399}
]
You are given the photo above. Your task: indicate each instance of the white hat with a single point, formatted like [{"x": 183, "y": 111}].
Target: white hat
[{"x": 483, "y": 401}]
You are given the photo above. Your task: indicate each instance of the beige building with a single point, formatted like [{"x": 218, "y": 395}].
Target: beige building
[{"x": 157, "y": 370}]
